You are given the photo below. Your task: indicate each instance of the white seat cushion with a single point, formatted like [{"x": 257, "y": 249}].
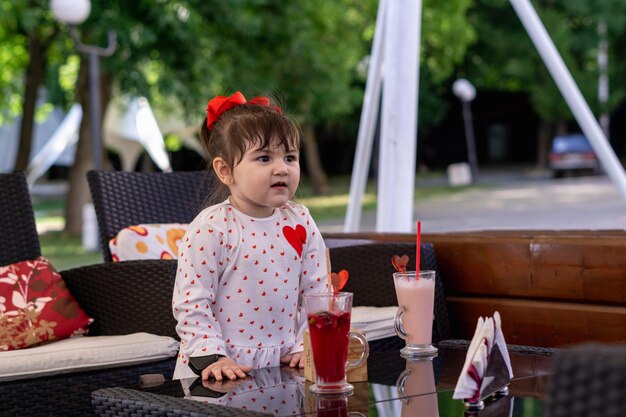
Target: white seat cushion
[{"x": 85, "y": 353}]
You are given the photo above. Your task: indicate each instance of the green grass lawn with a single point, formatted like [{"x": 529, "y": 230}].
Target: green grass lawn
[
  {"x": 334, "y": 205},
  {"x": 65, "y": 251}
]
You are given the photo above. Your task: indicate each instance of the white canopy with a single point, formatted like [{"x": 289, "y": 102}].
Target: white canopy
[{"x": 129, "y": 127}]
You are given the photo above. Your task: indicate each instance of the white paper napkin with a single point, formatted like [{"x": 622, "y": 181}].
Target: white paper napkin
[
  {"x": 502, "y": 344},
  {"x": 472, "y": 380}
]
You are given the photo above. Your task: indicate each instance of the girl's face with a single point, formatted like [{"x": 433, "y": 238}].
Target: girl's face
[{"x": 262, "y": 180}]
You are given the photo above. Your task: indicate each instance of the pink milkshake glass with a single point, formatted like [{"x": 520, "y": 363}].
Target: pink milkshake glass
[{"x": 414, "y": 319}]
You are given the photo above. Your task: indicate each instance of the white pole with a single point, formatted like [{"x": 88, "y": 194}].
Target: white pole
[
  {"x": 571, "y": 93},
  {"x": 396, "y": 173},
  {"x": 367, "y": 127}
]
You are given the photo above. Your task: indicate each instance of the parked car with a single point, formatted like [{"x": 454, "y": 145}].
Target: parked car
[{"x": 572, "y": 154}]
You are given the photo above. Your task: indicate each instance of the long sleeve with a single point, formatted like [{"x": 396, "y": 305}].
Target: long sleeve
[{"x": 197, "y": 278}]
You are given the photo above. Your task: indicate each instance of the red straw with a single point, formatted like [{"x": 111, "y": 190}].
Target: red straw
[{"x": 417, "y": 249}]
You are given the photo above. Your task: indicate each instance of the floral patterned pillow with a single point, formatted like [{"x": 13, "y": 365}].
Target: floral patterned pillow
[
  {"x": 147, "y": 241},
  {"x": 36, "y": 307}
]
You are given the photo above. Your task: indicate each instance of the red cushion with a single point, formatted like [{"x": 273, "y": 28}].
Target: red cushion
[{"x": 36, "y": 307}]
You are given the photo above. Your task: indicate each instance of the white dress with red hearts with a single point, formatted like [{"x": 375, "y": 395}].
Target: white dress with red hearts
[{"x": 239, "y": 281}]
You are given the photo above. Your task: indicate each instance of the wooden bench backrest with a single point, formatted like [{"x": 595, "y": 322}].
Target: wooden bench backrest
[{"x": 552, "y": 288}]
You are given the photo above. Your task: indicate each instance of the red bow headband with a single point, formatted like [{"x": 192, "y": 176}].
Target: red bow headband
[{"x": 219, "y": 104}]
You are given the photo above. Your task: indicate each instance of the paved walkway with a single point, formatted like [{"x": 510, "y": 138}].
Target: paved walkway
[
  {"x": 511, "y": 199},
  {"x": 519, "y": 202}
]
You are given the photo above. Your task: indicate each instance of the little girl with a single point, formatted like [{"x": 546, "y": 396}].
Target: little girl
[{"x": 245, "y": 261}]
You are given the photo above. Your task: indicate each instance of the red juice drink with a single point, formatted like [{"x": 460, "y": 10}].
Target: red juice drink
[
  {"x": 328, "y": 318},
  {"x": 329, "y": 341}
]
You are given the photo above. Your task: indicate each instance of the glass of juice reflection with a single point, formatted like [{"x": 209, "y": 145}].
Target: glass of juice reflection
[
  {"x": 414, "y": 319},
  {"x": 328, "y": 318},
  {"x": 334, "y": 406},
  {"x": 416, "y": 386}
]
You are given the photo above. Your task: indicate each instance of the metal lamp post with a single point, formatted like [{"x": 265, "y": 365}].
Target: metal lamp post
[
  {"x": 75, "y": 12},
  {"x": 466, "y": 92}
]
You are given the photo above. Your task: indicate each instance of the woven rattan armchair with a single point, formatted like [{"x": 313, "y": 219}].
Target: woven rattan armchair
[
  {"x": 122, "y": 298},
  {"x": 371, "y": 281},
  {"x": 123, "y": 199},
  {"x": 589, "y": 381}
]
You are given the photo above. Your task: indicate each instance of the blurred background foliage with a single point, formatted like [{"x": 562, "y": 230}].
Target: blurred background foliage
[
  {"x": 311, "y": 55},
  {"x": 307, "y": 53},
  {"x": 179, "y": 53}
]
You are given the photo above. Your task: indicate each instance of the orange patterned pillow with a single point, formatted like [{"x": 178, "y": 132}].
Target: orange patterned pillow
[
  {"x": 36, "y": 307},
  {"x": 147, "y": 241}
]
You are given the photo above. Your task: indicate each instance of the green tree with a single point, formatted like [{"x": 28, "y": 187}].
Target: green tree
[
  {"x": 179, "y": 53},
  {"x": 446, "y": 36},
  {"x": 310, "y": 51},
  {"x": 156, "y": 57},
  {"x": 305, "y": 52},
  {"x": 27, "y": 31},
  {"x": 504, "y": 58}
]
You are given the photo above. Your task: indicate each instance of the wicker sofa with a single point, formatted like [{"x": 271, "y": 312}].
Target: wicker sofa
[{"x": 107, "y": 292}]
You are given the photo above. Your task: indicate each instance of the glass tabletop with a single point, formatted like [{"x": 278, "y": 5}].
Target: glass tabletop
[
  {"x": 395, "y": 386},
  {"x": 427, "y": 405}
]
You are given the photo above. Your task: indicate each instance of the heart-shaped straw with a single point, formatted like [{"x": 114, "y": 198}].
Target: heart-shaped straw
[
  {"x": 338, "y": 280},
  {"x": 400, "y": 263}
]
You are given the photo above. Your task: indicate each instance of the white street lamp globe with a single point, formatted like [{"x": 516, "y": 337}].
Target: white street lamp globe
[
  {"x": 464, "y": 90},
  {"x": 72, "y": 12}
]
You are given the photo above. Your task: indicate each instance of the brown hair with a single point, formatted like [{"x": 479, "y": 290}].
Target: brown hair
[{"x": 240, "y": 128}]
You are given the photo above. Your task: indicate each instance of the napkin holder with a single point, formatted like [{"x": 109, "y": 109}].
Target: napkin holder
[
  {"x": 355, "y": 348},
  {"x": 499, "y": 407},
  {"x": 495, "y": 383}
]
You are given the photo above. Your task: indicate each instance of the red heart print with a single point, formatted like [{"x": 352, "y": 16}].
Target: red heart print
[
  {"x": 400, "y": 262},
  {"x": 296, "y": 237}
]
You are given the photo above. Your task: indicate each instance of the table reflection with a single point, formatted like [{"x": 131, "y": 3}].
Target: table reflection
[
  {"x": 278, "y": 391},
  {"x": 414, "y": 389},
  {"x": 336, "y": 407},
  {"x": 417, "y": 388},
  {"x": 395, "y": 387}
]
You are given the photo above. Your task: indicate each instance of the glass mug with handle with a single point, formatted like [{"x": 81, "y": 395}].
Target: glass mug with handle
[
  {"x": 328, "y": 317},
  {"x": 414, "y": 320}
]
